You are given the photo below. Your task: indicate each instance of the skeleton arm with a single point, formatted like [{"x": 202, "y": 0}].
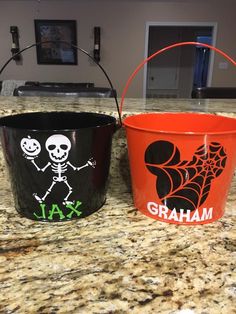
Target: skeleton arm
[
  {"x": 76, "y": 168},
  {"x": 79, "y": 168},
  {"x": 69, "y": 164},
  {"x": 37, "y": 167},
  {"x": 90, "y": 162}
]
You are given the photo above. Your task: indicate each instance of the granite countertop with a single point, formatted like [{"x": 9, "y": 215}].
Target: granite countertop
[{"x": 117, "y": 260}]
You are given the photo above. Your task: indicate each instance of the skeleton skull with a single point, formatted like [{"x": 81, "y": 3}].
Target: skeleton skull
[{"x": 58, "y": 147}]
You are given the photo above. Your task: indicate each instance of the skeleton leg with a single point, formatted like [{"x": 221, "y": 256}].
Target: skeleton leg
[
  {"x": 41, "y": 199},
  {"x": 69, "y": 193},
  {"x": 48, "y": 190}
]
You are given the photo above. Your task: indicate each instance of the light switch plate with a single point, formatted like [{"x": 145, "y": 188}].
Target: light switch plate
[{"x": 223, "y": 65}]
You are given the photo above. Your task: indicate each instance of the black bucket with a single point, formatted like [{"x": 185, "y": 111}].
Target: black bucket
[{"x": 58, "y": 162}]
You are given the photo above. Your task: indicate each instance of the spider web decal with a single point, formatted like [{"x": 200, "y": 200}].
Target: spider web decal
[{"x": 184, "y": 184}]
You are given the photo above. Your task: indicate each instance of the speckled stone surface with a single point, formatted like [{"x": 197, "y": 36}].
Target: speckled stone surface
[{"x": 117, "y": 260}]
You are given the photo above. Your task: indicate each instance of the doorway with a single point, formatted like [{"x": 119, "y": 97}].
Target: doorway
[{"x": 176, "y": 72}]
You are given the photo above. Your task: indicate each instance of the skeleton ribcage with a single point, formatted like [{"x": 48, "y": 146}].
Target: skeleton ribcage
[{"x": 59, "y": 168}]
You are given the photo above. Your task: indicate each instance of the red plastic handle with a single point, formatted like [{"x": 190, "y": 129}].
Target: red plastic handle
[{"x": 185, "y": 43}]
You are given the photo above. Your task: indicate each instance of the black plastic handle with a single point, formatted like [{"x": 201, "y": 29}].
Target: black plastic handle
[{"x": 75, "y": 47}]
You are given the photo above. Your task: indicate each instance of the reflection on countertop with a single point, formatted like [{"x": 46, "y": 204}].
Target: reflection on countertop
[{"x": 117, "y": 260}]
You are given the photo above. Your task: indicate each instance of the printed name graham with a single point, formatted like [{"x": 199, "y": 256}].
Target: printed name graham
[{"x": 182, "y": 215}]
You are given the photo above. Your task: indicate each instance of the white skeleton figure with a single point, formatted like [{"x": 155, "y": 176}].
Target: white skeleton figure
[{"x": 58, "y": 147}]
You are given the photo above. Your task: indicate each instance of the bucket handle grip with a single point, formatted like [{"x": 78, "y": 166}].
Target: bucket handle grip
[
  {"x": 185, "y": 43},
  {"x": 75, "y": 47}
]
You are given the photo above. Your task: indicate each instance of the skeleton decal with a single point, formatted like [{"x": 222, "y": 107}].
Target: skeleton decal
[{"x": 58, "y": 147}]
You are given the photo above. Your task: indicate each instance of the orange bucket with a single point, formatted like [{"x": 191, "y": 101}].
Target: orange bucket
[{"x": 181, "y": 164}]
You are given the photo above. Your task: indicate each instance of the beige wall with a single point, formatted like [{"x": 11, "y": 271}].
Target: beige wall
[{"x": 122, "y": 36}]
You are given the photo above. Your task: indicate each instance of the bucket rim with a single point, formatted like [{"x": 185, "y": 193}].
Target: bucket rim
[
  {"x": 113, "y": 120},
  {"x": 127, "y": 123}
]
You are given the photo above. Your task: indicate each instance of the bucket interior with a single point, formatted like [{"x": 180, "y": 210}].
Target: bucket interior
[
  {"x": 181, "y": 123},
  {"x": 57, "y": 120}
]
